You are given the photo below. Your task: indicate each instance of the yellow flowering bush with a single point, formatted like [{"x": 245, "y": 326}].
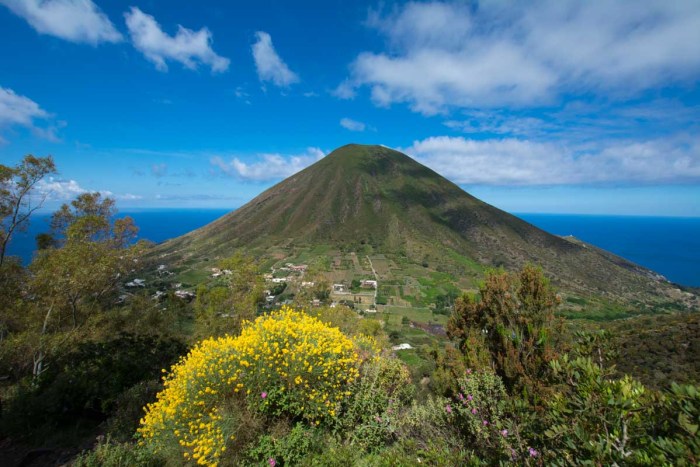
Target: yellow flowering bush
[{"x": 284, "y": 363}]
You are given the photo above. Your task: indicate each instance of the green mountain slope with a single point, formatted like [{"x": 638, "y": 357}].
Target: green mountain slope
[{"x": 371, "y": 196}]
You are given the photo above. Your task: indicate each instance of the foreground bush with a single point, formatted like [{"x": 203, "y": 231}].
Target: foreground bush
[
  {"x": 597, "y": 419},
  {"x": 88, "y": 384},
  {"x": 283, "y": 364}
]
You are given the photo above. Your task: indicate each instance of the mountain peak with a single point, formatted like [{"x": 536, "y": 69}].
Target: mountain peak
[{"x": 370, "y": 195}]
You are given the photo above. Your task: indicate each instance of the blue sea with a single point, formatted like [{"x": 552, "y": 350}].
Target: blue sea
[{"x": 668, "y": 245}]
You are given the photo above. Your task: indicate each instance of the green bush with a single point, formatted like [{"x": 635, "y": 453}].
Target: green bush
[
  {"x": 601, "y": 420},
  {"x": 368, "y": 417},
  {"x": 128, "y": 409},
  {"x": 482, "y": 411},
  {"x": 87, "y": 383},
  {"x": 513, "y": 318},
  {"x": 292, "y": 449},
  {"x": 109, "y": 454}
]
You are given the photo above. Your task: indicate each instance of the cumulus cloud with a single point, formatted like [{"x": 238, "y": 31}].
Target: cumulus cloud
[
  {"x": 512, "y": 161},
  {"x": 191, "y": 48},
  {"x": 345, "y": 90},
  {"x": 72, "y": 20},
  {"x": 17, "y": 110},
  {"x": 352, "y": 125},
  {"x": 268, "y": 166},
  {"x": 268, "y": 63},
  {"x": 446, "y": 55},
  {"x": 61, "y": 190},
  {"x": 53, "y": 189}
]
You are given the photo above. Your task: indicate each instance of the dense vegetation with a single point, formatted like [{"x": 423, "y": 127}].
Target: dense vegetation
[{"x": 130, "y": 377}]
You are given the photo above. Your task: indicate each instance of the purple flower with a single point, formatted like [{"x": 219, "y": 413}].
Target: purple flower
[
  {"x": 533, "y": 453},
  {"x": 486, "y": 422},
  {"x": 272, "y": 462},
  {"x": 264, "y": 395},
  {"x": 474, "y": 411},
  {"x": 461, "y": 396},
  {"x": 469, "y": 371},
  {"x": 448, "y": 408},
  {"x": 504, "y": 433},
  {"x": 469, "y": 397}
]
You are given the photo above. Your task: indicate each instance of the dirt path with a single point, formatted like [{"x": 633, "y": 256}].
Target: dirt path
[{"x": 376, "y": 278}]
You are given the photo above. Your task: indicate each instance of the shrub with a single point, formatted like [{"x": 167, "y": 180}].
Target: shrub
[
  {"x": 86, "y": 383},
  {"x": 607, "y": 421},
  {"x": 369, "y": 416},
  {"x": 291, "y": 449},
  {"x": 514, "y": 316},
  {"x": 283, "y": 364},
  {"x": 109, "y": 454},
  {"x": 483, "y": 412}
]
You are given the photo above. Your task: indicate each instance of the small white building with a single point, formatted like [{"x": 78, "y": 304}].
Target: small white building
[
  {"x": 136, "y": 283},
  {"x": 402, "y": 347}
]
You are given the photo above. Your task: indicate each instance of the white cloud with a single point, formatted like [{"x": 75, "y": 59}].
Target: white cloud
[
  {"x": 511, "y": 161},
  {"x": 345, "y": 90},
  {"x": 446, "y": 55},
  {"x": 53, "y": 189},
  {"x": 188, "y": 47},
  {"x": 269, "y": 166},
  {"x": 72, "y": 20},
  {"x": 60, "y": 190},
  {"x": 352, "y": 125},
  {"x": 129, "y": 197},
  {"x": 268, "y": 63},
  {"x": 17, "y": 110}
]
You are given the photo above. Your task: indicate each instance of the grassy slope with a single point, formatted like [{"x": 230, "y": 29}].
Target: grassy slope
[{"x": 370, "y": 199}]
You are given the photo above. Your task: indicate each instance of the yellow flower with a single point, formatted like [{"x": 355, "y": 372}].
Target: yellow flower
[{"x": 195, "y": 388}]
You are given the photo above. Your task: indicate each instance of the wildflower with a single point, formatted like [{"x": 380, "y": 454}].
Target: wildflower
[
  {"x": 272, "y": 462},
  {"x": 532, "y": 452},
  {"x": 378, "y": 419},
  {"x": 486, "y": 422},
  {"x": 448, "y": 408},
  {"x": 474, "y": 411},
  {"x": 469, "y": 371},
  {"x": 504, "y": 433},
  {"x": 460, "y": 396},
  {"x": 263, "y": 394},
  {"x": 470, "y": 397}
]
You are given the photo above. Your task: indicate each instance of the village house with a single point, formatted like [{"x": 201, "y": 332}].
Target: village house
[
  {"x": 368, "y": 284},
  {"x": 136, "y": 283}
]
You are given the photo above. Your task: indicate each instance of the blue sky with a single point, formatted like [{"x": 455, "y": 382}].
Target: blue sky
[{"x": 538, "y": 106}]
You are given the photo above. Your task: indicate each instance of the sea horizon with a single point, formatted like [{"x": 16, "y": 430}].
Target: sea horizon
[{"x": 669, "y": 245}]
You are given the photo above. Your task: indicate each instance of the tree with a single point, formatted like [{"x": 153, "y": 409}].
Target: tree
[
  {"x": 222, "y": 309},
  {"x": 513, "y": 318},
  {"x": 16, "y": 201},
  {"x": 81, "y": 276}
]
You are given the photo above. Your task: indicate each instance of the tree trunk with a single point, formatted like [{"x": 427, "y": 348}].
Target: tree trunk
[{"x": 38, "y": 367}]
